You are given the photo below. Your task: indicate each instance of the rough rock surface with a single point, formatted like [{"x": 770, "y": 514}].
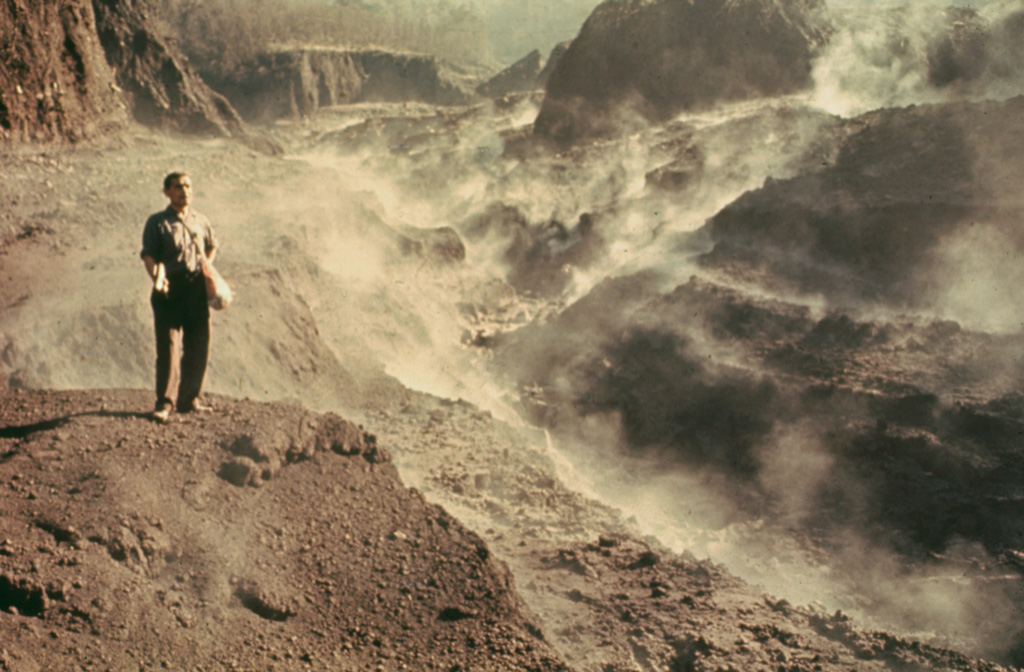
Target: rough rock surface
[
  {"x": 71, "y": 69},
  {"x": 652, "y": 59},
  {"x": 54, "y": 80},
  {"x": 553, "y": 58},
  {"x": 126, "y": 545}
]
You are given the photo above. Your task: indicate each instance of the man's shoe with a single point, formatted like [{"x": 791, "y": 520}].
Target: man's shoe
[
  {"x": 196, "y": 407},
  {"x": 162, "y": 414}
]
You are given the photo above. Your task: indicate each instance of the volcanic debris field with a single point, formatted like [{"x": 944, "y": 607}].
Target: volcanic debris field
[{"x": 264, "y": 536}]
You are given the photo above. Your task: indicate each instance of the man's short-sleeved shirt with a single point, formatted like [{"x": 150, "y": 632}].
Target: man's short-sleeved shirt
[{"x": 176, "y": 243}]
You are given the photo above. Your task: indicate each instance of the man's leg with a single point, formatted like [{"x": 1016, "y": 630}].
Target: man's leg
[
  {"x": 168, "y": 348},
  {"x": 195, "y": 347}
]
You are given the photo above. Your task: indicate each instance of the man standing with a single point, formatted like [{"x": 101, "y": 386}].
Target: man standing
[{"x": 173, "y": 242}]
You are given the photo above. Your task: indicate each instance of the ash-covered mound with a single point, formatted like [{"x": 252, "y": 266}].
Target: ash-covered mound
[
  {"x": 653, "y": 59},
  {"x": 127, "y": 544}
]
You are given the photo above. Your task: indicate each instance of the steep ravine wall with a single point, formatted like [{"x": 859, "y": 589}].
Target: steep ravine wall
[
  {"x": 71, "y": 69},
  {"x": 54, "y": 80}
]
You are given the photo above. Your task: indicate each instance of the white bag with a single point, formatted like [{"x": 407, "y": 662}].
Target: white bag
[{"x": 218, "y": 294}]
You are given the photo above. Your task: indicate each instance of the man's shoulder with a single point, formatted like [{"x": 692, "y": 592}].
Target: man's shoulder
[
  {"x": 158, "y": 217},
  {"x": 201, "y": 220}
]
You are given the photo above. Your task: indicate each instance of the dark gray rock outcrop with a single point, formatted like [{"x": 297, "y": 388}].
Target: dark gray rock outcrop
[
  {"x": 647, "y": 60},
  {"x": 553, "y": 59},
  {"x": 973, "y": 52},
  {"x": 873, "y": 227}
]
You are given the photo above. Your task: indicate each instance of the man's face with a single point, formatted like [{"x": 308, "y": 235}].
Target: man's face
[{"x": 180, "y": 192}]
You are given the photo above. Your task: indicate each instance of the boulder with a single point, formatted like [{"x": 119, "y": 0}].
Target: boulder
[{"x": 647, "y": 60}]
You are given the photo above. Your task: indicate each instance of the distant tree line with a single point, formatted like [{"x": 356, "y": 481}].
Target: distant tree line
[{"x": 219, "y": 35}]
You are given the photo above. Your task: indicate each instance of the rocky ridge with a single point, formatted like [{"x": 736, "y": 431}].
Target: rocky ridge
[{"x": 297, "y": 83}]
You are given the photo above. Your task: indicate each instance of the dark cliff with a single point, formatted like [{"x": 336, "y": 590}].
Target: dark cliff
[
  {"x": 163, "y": 89},
  {"x": 651, "y": 59}
]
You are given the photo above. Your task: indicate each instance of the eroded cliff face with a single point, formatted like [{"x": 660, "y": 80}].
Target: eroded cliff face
[
  {"x": 163, "y": 89},
  {"x": 54, "y": 80},
  {"x": 298, "y": 83},
  {"x": 71, "y": 69},
  {"x": 648, "y": 60}
]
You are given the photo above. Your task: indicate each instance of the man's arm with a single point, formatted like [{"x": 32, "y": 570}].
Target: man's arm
[
  {"x": 211, "y": 244},
  {"x": 150, "y": 264},
  {"x": 156, "y": 273}
]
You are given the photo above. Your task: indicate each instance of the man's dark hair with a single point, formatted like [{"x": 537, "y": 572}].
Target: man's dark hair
[{"x": 171, "y": 177}]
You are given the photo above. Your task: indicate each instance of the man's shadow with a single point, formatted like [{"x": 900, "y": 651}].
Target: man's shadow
[{"x": 24, "y": 431}]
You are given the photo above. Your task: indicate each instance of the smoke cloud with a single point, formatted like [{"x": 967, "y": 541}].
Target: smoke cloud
[{"x": 913, "y": 53}]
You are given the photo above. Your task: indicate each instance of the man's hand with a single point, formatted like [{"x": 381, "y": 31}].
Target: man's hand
[
  {"x": 160, "y": 283},
  {"x": 157, "y": 273}
]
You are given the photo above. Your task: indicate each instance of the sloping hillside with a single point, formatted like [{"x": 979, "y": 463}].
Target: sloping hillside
[{"x": 256, "y": 537}]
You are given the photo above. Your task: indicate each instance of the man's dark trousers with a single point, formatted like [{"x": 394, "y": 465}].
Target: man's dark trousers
[{"x": 182, "y": 321}]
